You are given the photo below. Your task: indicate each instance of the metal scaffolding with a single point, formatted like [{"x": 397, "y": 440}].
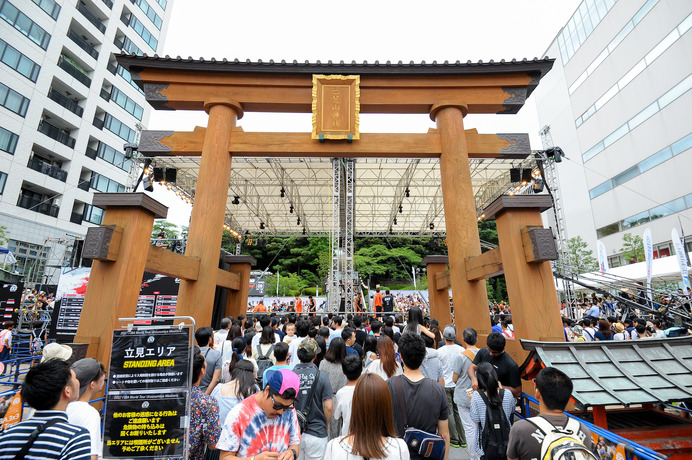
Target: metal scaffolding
[{"x": 334, "y": 294}]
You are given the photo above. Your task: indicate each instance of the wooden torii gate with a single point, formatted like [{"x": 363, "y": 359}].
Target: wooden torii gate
[{"x": 225, "y": 90}]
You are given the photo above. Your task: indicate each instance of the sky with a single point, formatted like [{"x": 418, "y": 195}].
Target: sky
[{"x": 362, "y": 31}]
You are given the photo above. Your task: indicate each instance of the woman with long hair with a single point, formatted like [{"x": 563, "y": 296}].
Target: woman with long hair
[
  {"x": 243, "y": 384},
  {"x": 490, "y": 386},
  {"x": 331, "y": 366},
  {"x": 237, "y": 354},
  {"x": 386, "y": 366},
  {"x": 323, "y": 350},
  {"x": 227, "y": 345},
  {"x": 369, "y": 350},
  {"x": 371, "y": 430},
  {"x": 604, "y": 332},
  {"x": 416, "y": 323}
]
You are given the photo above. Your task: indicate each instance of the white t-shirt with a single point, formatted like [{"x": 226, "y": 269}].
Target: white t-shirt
[
  {"x": 339, "y": 449},
  {"x": 342, "y": 407},
  {"x": 82, "y": 414},
  {"x": 256, "y": 338},
  {"x": 219, "y": 337},
  {"x": 293, "y": 350},
  {"x": 446, "y": 355},
  {"x": 375, "y": 367}
]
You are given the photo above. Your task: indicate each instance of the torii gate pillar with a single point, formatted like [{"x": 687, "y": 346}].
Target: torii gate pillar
[
  {"x": 196, "y": 298},
  {"x": 470, "y": 297}
]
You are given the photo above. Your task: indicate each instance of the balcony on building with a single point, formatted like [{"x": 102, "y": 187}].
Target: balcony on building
[
  {"x": 46, "y": 166},
  {"x": 78, "y": 34},
  {"x": 65, "y": 101},
  {"x": 92, "y": 17},
  {"x": 85, "y": 180},
  {"x": 77, "y": 214},
  {"x": 70, "y": 65},
  {"x": 57, "y": 133},
  {"x": 37, "y": 200}
]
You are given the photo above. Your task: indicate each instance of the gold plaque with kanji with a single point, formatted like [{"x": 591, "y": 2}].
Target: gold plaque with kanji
[{"x": 335, "y": 106}]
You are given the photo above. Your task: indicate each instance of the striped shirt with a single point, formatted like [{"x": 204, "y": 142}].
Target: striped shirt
[{"x": 59, "y": 441}]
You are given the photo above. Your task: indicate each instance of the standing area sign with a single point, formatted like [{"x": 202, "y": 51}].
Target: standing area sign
[{"x": 147, "y": 404}]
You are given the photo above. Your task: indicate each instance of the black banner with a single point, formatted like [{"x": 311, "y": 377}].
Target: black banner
[
  {"x": 145, "y": 425},
  {"x": 147, "y": 400},
  {"x": 10, "y": 300}
]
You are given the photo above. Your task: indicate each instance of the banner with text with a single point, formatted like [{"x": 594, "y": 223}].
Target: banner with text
[{"x": 147, "y": 404}]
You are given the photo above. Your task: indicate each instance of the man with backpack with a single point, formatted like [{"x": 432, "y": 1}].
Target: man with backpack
[{"x": 552, "y": 434}]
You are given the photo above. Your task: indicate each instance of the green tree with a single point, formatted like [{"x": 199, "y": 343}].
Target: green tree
[
  {"x": 4, "y": 235},
  {"x": 580, "y": 256},
  {"x": 632, "y": 248},
  {"x": 386, "y": 263},
  {"x": 290, "y": 284},
  {"x": 162, "y": 225}
]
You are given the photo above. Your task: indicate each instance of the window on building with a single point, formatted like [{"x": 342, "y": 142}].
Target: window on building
[
  {"x": 49, "y": 6},
  {"x": 93, "y": 214},
  {"x": 151, "y": 14},
  {"x": 114, "y": 157},
  {"x": 8, "y": 141},
  {"x": 17, "y": 61},
  {"x": 118, "y": 128},
  {"x": 105, "y": 185},
  {"x": 3, "y": 181},
  {"x": 13, "y": 101},
  {"x": 22, "y": 23},
  {"x": 143, "y": 32},
  {"x": 124, "y": 101}
]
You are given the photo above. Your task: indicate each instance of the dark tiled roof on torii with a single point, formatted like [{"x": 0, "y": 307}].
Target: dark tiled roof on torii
[
  {"x": 618, "y": 372},
  {"x": 535, "y": 67}
]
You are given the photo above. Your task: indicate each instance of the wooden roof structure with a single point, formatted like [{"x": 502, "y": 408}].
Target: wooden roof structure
[{"x": 382, "y": 179}]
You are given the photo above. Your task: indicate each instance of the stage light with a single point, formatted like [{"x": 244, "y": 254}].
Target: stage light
[
  {"x": 538, "y": 186},
  {"x": 298, "y": 221},
  {"x": 146, "y": 183},
  {"x": 261, "y": 225},
  {"x": 408, "y": 192},
  {"x": 432, "y": 225},
  {"x": 401, "y": 209},
  {"x": 304, "y": 231},
  {"x": 236, "y": 200},
  {"x": 290, "y": 209},
  {"x": 394, "y": 221},
  {"x": 515, "y": 175},
  {"x": 283, "y": 192},
  {"x": 555, "y": 153}
]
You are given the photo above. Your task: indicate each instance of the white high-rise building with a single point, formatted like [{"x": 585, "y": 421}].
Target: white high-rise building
[
  {"x": 618, "y": 102},
  {"x": 66, "y": 110}
]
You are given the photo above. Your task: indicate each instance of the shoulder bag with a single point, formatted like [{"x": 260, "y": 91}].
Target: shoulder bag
[
  {"x": 429, "y": 445},
  {"x": 303, "y": 414}
]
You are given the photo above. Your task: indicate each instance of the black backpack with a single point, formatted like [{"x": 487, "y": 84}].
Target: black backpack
[
  {"x": 264, "y": 362},
  {"x": 494, "y": 437}
]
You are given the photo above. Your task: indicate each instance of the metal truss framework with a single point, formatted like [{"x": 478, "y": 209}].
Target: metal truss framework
[{"x": 379, "y": 188}]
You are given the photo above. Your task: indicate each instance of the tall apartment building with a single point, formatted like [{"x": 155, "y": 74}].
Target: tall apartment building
[
  {"x": 618, "y": 103},
  {"x": 67, "y": 109}
]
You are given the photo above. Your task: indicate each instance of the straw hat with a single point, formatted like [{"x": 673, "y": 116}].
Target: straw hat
[{"x": 619, "y": 327}]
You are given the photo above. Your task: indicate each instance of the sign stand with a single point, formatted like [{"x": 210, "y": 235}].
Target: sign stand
[{"x": 148, "y": 397}]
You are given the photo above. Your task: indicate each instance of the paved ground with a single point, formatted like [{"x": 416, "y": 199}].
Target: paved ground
[{"x": 458, "y": 453}]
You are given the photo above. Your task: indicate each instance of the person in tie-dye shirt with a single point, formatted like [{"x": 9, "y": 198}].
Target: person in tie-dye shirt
[{"x": 264, "y": 425}]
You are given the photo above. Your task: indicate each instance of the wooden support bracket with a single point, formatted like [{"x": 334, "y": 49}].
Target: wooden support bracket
[
  {"x": 228, "y": 280},
  {"x": 169, "y": 263},
  {"x": 102, "y": 243},
  {"x": 442, "y": 282},
  {"x": 485, "y": 266},
  {"x": 539, "y": 244}
]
